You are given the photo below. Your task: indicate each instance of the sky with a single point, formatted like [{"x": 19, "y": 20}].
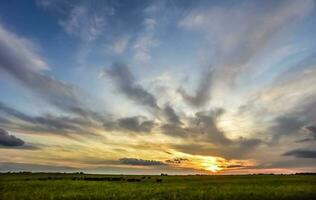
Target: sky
[{"x": 150, "y": 87}]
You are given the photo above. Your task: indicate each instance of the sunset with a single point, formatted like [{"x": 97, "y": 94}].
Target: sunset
[{"x": 158, "y": 87}]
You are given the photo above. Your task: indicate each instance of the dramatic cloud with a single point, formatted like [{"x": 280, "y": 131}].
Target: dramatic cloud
[
  {"x": 126, "y": 83},
  {"x": 300, "y": 153},
  {"x": 9, "y": 140},
  {"x": 141, "y": 162},
  {"x": 207, "y": 86}
]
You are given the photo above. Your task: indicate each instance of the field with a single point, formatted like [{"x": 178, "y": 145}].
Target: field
[{"x": 83, "y": 186}]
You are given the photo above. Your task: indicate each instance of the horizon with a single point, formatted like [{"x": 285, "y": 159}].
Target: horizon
[
  {"x": 150, "y": 87},
  {"x": 161, "y": 174}
]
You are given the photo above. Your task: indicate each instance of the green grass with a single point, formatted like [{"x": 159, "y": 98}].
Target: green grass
[{"x": 61, "y": 186}]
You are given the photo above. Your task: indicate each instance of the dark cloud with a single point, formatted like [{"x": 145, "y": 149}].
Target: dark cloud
[
  {"x": 219, "y": 145},
  {"x": 125, "y": 82},
  {"x": 287, "y": 164},
  {"x": 203, "y": 92},
  {"x": 207, "y": 124},
  {"x": 202, "y": 125},
  {"x": 234, "y": 166},
  {"x": 171, "y": 115},
  {"x": 9, "y": 140},
  {"x": 58, "y": 93},
  {"x": 179, "y": 131},
  {"x": 47, "y": 123},
  {"x": 285, "y": 126},
  {"x": 301, "y": 153},
  {"x": 248, "y": 143},
  {"x": 235, "y": 149},
  {"x": 203, "y": 128},
  {"x": 26, "y": 146},
  {"x": 311, "y": 130},
  {"x": 141, "y": 162},
  {"x": 296, "y": 123},
  {"x": 176, "y": 160},
  {"x": 15, "y": 113},
  {"x": 135, "y": 124}
]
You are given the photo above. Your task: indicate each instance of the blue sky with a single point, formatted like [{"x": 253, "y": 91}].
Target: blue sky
[{"x": 158, "y": 86}]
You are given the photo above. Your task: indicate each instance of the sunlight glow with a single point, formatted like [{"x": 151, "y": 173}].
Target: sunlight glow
[
  {"x": 210, "y": 164},
  {"x": 213, "y": 168}
]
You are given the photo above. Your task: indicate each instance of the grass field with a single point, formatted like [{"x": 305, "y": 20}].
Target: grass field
[{"x": 82, "y": 186}]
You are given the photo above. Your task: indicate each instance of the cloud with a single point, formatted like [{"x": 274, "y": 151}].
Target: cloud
[
  {"x": 179, "y": 131},
  {"x": 235, "y": 149},
  {"x": 311, "y": 130},
  {"x": 237, "y": 41},
  {"x": 140, "y": 162},
  {"x": 120, "y": 45},
  {"x": 146, "y": 40},
  {"x": 125, "y": 82},
  {"x": 43, "y": 124},
  {"x": 300, "y": 153},
  {"x": 202, "y": 125},
  {"x": 230, "y": 43},
  {"x": 202, "y": 94},
  {"x": 15, "y": 113},
  {"x": 23, "y": 64},
  {"x": 134, "y": 124},
  {"x": 206, "y": 122},
  {"x": 85, "y": 23},
  {"x": 171, "y": 116},
  {"x": 286, "y": 126},
  {"x": 143, "y": 46},
  {"x": 177, "y": 160},
  {"x": 16, "y": 51},
  {"x": 9, "y": 140},
  {"x": 234, "y": 166}
]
